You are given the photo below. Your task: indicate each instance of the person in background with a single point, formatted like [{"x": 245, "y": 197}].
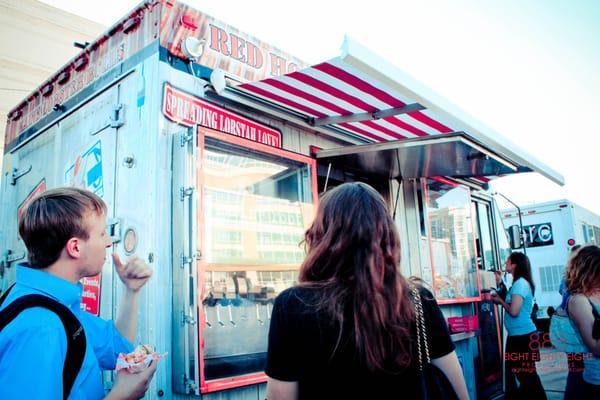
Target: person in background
[
  {"x": 346, "y": 330},
  {"x": 574, "y": 389},
  {"x": 562, "y": 289},
  {"x": 65, "y": 233},
  {"x": 520, "y": 356},
  {"x": 583, "y": 282}
]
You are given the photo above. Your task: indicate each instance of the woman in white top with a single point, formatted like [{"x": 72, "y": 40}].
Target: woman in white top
[{"x": 583, "y": 281}]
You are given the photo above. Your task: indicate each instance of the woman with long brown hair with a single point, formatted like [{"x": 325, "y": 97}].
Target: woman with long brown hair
[
  {"x": 522, "y": 348},
  {"x": 347, "y": 329},
  {"x": 583, "y": 282}
]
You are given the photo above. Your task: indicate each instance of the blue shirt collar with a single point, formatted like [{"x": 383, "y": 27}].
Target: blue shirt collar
[{"x": 62, "y": 290}]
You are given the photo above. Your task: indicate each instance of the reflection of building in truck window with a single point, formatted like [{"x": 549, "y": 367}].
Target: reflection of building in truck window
[
  {"x": 452, "y": 240},
  {"x": 268, "y": 203}
]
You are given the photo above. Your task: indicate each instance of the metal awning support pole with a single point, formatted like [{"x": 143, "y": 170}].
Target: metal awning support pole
[
  {"x": 520, "y": 221},
  {"x": 367, "y": 116}
]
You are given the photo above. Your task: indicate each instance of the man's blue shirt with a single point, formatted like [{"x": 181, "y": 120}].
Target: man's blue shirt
[{"x": 33, "y": 346}]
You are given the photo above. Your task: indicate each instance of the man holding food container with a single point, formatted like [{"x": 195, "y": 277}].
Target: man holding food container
[{"x": 49, "y": 347}]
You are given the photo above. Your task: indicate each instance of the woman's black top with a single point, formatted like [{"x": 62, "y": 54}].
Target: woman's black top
[{"x": 301, "y": 343}]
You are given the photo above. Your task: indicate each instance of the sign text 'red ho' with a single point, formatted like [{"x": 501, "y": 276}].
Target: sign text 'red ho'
[{"x": 189, "y": 110}]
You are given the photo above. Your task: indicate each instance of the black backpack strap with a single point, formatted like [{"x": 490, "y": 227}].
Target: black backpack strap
[
  {"x": 5, "y": 294},
  {"x": 76, "y": 341}
]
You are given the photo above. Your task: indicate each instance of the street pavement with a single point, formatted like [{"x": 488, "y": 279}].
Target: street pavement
[{"x": 552, "y": 369}]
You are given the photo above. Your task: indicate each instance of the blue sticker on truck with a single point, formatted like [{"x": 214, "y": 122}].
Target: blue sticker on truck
[{"x": 86, "y": 170}]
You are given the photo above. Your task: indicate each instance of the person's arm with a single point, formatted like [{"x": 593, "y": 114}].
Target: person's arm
[
  {"x": 134, "y": 274},
  {"x": 514, "y": 307},
  {"x": 281, "y": 390},
  {"x": 126, "y": 321},
  {"x": 501, "y": 288},
  {"x": 580, "y": 311},
  {"x": 451, "y": 368},
  {"x": 442, "y": 348}
]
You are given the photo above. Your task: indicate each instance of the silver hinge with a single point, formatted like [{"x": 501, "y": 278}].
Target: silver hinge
[
  {"x": 187, "y": 319},
  {"x": 8, "y": 258},
  {"x": 185, "y": 260},
  {"x": 114, "y": 229},
  {"x": 185, "y": 192},
  {"x": 117, "y": 119},
  {"x": 16, "y": 174},
  {"x": 186, "y": 137},
  {"x": 190, "y": 385}
]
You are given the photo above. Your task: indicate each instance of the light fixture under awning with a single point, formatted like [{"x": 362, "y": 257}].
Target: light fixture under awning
[{"x": 452, "y": 155}]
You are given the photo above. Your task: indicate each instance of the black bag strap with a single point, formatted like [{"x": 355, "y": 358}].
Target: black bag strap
[
  {"x": 596, "y": 326},
  {"x": 76, "y": 341},
  {"x": 594, "y": 311},
  {"x": 5, "y": 294}
]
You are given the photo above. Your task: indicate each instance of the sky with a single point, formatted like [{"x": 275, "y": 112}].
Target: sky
[{"x": 528, "y": 69}]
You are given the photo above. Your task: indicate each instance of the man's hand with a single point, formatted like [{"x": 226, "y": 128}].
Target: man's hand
[
  {"x": 132, "y": 386},
  {"x": 134, "y": 274}
]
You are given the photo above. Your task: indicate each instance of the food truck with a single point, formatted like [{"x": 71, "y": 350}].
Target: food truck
[
  {"x": 211, "y": 147},
  {"x": 549, "y": 232}
]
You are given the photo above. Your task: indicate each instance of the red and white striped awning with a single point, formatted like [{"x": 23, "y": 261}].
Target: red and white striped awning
[{"x": 367, "y": 98}]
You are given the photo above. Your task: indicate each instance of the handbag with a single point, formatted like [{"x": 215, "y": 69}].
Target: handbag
[
  {"x": 434, "y": 383},
  {"x": 564, "y": 335}
]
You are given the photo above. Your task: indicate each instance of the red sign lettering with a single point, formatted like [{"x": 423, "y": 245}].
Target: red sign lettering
[{"x": 189, "y": 110}]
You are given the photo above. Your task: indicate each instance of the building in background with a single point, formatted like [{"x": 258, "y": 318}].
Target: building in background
[{"x": 35, "y": 40}]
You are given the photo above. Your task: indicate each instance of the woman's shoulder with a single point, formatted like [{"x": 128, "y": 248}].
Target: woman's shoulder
[
  {"x": 578, "y": 300},
  {"x": 521, "y": 284},
  {"x": 296, "y": 294},
  {"x": 421, "y": 286}
]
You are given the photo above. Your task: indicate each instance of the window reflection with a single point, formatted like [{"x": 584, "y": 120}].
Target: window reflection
[
  {"x": 452, "y": 240},
  {"x": 256, "y": 210}
]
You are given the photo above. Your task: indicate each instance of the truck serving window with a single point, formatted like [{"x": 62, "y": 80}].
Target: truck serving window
[
  {"x": 256, "y": 207},
  {"x": 452, "y": 240}
]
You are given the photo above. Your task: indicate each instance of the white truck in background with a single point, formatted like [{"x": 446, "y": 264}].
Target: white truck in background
[{"x": 549, "y": 232}]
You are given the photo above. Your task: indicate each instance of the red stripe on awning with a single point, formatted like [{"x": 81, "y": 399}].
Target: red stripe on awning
[
  {"x": 405, "y": 126},
  {"x": 358, "y": 83},
  {"x": 380, "y": 95},
  {"x": 283, "y": 100},
  {"x": 419, "y": 116},
  {"x": 307, "y": 96},
  {"x": 342, "y": 111},
  {"x": 389, "y": 132},
  {"x": 362, "y": 132},
  {"x": 324, "y": 87}
]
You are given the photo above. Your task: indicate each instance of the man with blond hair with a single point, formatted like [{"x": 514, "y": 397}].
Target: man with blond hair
[{"x": 65, "y": 233}]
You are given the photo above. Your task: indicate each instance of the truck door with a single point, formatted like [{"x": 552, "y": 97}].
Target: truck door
[
  {"x": 240, "y": 209},
  {"x": 77, "y": 151},
  {"x": 86, "y": 159}
]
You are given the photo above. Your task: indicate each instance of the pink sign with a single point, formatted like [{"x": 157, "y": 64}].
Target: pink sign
[{"x": 90, "y": 298}]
